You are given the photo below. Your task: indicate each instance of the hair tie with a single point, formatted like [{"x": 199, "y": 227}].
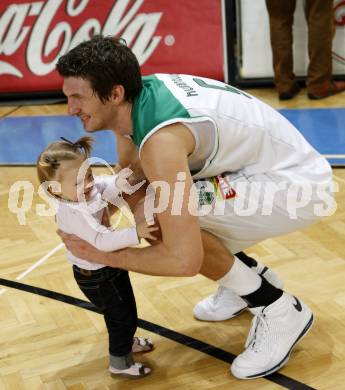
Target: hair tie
[
  {"x": 75, "y": 144},
  {"x": 51, "y": 162}
]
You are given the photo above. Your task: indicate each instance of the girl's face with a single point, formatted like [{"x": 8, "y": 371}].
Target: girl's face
[{"x": 72, "y": 189}]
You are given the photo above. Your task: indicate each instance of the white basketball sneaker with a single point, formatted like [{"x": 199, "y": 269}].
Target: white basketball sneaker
[
  {"x": 220, "y": 306},
  {"x": 274, "y": 332},
  {"x": 224, "y": 304}
]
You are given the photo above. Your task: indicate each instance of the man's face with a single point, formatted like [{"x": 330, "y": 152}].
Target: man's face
[{"x": 84, "y": 103}]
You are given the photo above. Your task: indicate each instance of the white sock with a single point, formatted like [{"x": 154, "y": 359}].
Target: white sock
[{"x": 240, "y": 279}]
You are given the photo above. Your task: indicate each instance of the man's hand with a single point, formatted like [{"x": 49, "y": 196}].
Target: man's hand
[{"x": 82, "y": 249}]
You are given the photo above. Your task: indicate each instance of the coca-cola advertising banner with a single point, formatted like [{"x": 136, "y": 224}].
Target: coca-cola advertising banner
[{"x": 175, "y": 36}]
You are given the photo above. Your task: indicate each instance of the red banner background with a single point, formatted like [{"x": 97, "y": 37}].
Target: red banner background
[{"x": 167, "y": 36}]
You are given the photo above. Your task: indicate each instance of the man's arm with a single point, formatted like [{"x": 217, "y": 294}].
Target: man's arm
[
  {"x": 180, "y": 253},
  {"x": 129, "y": 157},
  {"x": 126, "y": 150}
]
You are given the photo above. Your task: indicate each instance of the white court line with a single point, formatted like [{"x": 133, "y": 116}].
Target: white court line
[
  {"x": 339, "y": 178},
  {"x": 340, "y": 156},
  {"x": 37, "y": 264}
]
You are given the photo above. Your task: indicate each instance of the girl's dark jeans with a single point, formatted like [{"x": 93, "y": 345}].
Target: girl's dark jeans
[{"x": 111, "y": 291}]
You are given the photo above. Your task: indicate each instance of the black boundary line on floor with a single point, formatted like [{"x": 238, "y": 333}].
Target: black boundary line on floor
[
  {"x": 190, "y": 342},
  {"x": 11, "y": 111},
  {"x": 33, "y": 165}
]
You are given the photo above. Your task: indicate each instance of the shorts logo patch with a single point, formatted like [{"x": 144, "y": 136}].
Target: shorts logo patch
[
  {"x": 205, "y": 197},
  {"x": 225, "y": 189},
  {"x": 214, "y": 189}
]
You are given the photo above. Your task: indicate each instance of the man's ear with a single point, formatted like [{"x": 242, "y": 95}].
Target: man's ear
[{"x": 118, "y": 94}]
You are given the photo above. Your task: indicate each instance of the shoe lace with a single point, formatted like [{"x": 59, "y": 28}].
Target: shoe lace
[
  {"x": 218, "y": 294},
  {"x": 258, "y": 333}
]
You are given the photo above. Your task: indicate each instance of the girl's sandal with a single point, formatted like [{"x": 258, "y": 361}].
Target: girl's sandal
[
  {"x": 136, "y": 370},
  {"x": 141, "y": 344}
]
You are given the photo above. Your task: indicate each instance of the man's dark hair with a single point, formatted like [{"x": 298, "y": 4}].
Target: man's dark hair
[{"x": 105, "y": 62}]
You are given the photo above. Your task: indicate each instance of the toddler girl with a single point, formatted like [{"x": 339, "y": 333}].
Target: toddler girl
[{"x": 81, "y": 207}]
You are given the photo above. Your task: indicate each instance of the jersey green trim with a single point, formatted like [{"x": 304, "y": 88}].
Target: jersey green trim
[{"x": 154, "y": 105}]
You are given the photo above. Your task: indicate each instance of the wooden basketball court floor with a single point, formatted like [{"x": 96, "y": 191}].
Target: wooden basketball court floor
[{"x": 48, "y": 340}]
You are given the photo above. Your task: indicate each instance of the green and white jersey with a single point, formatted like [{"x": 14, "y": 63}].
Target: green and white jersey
[{"x": 236, "y": 131}]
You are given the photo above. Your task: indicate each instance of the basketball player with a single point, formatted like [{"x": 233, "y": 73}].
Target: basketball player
[{"x": 189, "y": 129}]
